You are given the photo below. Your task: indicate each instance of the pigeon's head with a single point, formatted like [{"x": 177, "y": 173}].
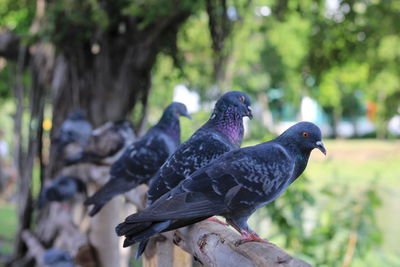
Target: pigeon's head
[
  {"x": 177, "y": 109},
  {"x": 237, "y": 100},
  {"x": 306, "y": 136},
  {"x": 56, "y": 257}
]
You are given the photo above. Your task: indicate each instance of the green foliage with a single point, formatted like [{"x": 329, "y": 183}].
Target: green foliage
[
  {"x": 16, "y": 15},
  {"x": 7, "y": 229},
  {"x": 326, "y": 232},
  {"x": 151, "y": 10},
  {"x": 196, "y": 55},
  {"x": 75, "y": 22}
]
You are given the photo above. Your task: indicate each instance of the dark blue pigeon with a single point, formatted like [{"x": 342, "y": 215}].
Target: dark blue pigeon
[
  {"x": 75, "y": 129},
  {"x": 105, "y": 145},
  {"x": 233, "y": 186},
  {"x": 62, "y": 188},
  {"x": 142, "y": 158},
  {"x": 57, "y": 258},
  {"x": 221, "y": 133}
]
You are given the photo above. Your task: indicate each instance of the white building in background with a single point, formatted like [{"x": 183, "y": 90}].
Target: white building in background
[
  {"x": 310, "y": 110},
  {"x": 394, "y": 125},
  {"x": 190, "y": 99}
]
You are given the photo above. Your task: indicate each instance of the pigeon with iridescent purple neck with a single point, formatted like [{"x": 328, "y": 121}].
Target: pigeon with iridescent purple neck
[
  {"x": 233, "y": 186},
  {"x": 223, "y": 132},
  {"x": 142, "y": 159}
]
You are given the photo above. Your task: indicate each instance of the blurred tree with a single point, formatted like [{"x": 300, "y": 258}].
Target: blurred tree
[{"x": 95, "y": 55}]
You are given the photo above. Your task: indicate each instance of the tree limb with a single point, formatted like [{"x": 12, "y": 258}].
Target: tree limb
[
  {"x": 10, "y": 44},
  {"x": 215, "y": 245}
]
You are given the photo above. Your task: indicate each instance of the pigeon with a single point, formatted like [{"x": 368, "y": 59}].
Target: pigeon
[
  {"x": 57, "y": 258},
  {"x": 233, "y": 186},
  {"x": 75, "y": 129},
  {"x": 221, "y": 133},
  {"x": 62, "y": 188},
  {"x": 141, "y": 160},
  {"x": 105, "y": 145}
]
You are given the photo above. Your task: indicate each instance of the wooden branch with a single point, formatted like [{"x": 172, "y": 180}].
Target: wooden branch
[
  {"x": 215, "y": 245},
  {"x": 35, "y": 249},
  {"x": 137, "y": 196}
]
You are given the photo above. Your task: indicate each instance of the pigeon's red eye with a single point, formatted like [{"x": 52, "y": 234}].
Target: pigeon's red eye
[{"x": 305, "y": 134}]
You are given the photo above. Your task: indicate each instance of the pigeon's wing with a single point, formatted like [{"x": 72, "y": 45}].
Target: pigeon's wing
[
  {"x": 201, "y": 149},
  {"x": 184, "y": 205},
  {"x": 141, "y": 159},
  {"x": 251, "y": 176}
]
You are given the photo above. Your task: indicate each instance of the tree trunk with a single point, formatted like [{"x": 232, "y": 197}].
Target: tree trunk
[{"x": 26, "y": 158}]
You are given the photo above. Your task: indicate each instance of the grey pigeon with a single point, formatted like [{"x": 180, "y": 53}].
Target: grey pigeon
[
  {"x": 233, "y": 186},
  {"x": 62, "y": 188},
  {"x": 75, "y": 129},
  {"x": 221, "y": 133},
  {"x": 105, "y": 145},
  {"x": 57, "y": 258},
  {"x": 142, "y": 158}
]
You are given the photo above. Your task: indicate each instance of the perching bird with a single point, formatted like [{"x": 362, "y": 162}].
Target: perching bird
[
  {"x": 57, "y": 258},
  {"x": 233, "y": 186},
  {"x": 62, "y": 188},
  {"x": 105, "y": 145},
  {"x": 221, "y": 133},
  {"x": 75, "y": 129},
  {"x": 142, "y": 158}
]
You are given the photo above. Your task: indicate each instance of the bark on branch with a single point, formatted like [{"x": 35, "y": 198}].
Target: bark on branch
[{"x": 215, "y": 245}]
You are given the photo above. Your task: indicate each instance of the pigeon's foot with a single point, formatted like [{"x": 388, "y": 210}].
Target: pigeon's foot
[
  {"x": 213, "y": 219},
  {"x": 248, "y": 236}
]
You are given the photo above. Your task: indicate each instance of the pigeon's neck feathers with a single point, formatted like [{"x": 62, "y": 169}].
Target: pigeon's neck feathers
[
  {"x": 299, "y": 155},
  {"x": 170, "y": 125},
  {"x": 229, "y": 123}
]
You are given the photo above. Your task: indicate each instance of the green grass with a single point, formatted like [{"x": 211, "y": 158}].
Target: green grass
[
  {"x": 357, "y": 164},
  {"x": 8, "y": 224}
]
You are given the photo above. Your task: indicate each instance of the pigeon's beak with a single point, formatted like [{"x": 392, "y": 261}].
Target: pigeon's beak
[
  {"x": 321, "y": 147},
  {"x": 248, "y": 113},
  {"x": 187, "y": 115}
]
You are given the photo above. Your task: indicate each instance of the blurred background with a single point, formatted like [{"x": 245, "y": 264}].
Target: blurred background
[{"x": 333, "y": 62}]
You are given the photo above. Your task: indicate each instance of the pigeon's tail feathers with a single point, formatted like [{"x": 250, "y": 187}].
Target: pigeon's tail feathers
[
  {"x": 131, "y": 228},
  {"x": 186, "y": 205},
  {"x": 147, "y": 233},
  {"x": 114, "y": 187},
  {"x": 96, "y": 208},
  {"x": 141, "y": 248}
]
